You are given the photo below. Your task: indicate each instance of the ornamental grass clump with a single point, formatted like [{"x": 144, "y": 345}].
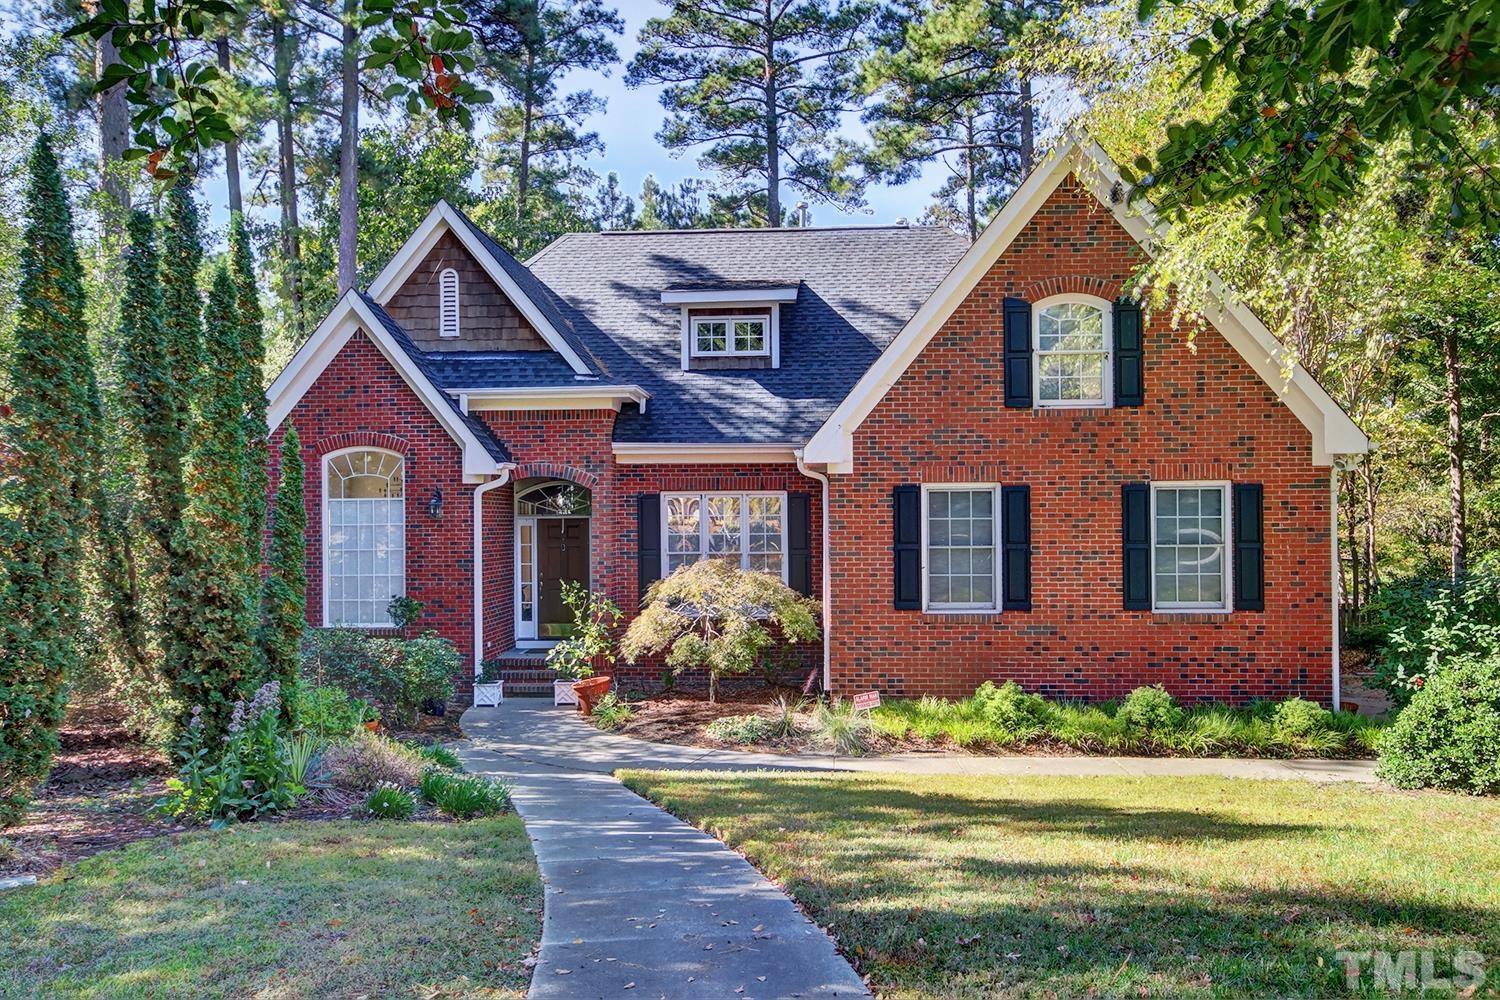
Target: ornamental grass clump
[
  {"x": 611, "y": 712},
  {"x": 366, "y": 761},
  {"x": 718, "y": 617},
  {"x": 464, "y": 796},
  {"x": 388, "y": 801},
  {"x": 839, "y": 728}
]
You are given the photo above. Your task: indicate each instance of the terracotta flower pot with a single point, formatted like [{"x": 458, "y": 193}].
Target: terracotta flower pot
[
  {"x": 373, "y": 725},
  {"x": 589, "y": 691}
]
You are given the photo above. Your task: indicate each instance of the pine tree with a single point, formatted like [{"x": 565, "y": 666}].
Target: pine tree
[
  {"x": 212, "y": 602},
  {"x": 285, "y": 600},
  {"x": 49, "y": 451},
  {"x": 250, "y": 360}
]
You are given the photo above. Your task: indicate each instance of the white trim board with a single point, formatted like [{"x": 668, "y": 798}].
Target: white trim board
[
  {"x": 348, "y": 317},
  {"x": 576, "y": 397},
  {"x": 769, "y": 295},
  {"x": 646, "y": 453},
  {"x": 1333, "y": 433},
  {"x": 442, "y": 219}
]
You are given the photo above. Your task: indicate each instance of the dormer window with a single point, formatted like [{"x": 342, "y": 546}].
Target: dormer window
[
  {"x": 448, "y": 303},
  {"x": 731, "y": 337}
]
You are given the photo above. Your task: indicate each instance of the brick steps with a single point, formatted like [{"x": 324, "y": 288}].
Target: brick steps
[{"x": 526, "y": 675}]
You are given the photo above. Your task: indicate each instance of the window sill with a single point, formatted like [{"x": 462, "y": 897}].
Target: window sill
[
  {"x": 960, "y": 616},
  {"x": 1186, "y": 616}
]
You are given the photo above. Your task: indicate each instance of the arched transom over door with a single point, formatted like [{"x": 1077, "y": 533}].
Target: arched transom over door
[{"x": 552, "y": 549}]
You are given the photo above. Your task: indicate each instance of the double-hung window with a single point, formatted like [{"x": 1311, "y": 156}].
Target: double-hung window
[
  {"x": 364, "y": 538},
  {"x": 1072, "y": 353},
  {"x": 960, "y": 557},
  {"x": 731, "y": 337},
  {"x": 748, "y": 529},
  {"x": 1190, "y": 557}
]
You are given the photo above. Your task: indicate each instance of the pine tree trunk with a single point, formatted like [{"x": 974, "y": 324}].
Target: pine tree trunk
[
  {"x": 349, "y": 151},
  {"x": 1372, "y": 568},
  {"x": 1453, "y": 396},
  {"x": 523, "y": 164},
  {"x": 114, "y": 139},
  {"x": 291, "y": 238},
  {"x": 231, "y": 146},
  {"x": 969, "y": 179},
  {"x": 773, "y": 127},
  {"x": 1028, "y": 127}
]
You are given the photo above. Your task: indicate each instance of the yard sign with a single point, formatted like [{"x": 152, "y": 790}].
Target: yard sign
[{"x": 866, "y": 700}]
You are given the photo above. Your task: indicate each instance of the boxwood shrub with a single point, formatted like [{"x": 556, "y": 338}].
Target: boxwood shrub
[{"x": 1449, "y": 734}]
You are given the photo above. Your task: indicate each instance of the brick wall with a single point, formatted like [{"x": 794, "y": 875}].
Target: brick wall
[
  {"x": 1207, "y": 416},
  {"x": 487, "y": 319}
]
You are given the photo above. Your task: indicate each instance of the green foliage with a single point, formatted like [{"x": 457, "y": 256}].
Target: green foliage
[
  {"x": 1297, "y": 719},
  {"x": 716, "y": 616},
  {"x": 786, "y": 717},
  {"x": 249, "y": 388},
  {"x": 247, "y": 772},
  {"x": 1151, "y": 710},
  {"x": 728, "y": 75},
  {"x": 366, "y": 761},
  {"x": 404, "y": 612},
  {"x": 441, "y": 756},
  {"x": 215, "y": 596},
  {"x": 325, "y": 711},
  {"x": 1449, "y": 735},
  {"x": 611, "y": 712},
  {"x": 595, "y": 618},
  {"x": 49, "y": 439},
  {"x": 464, "y": 796},
  {"x": 840, "y": 729},
  {"x": 284, "y": 589},
  {"x": 740, "y": 729},
  {"x": 1010, "y": 708},
  {"x": 390, "y": 802},
  {"x": 489, "y": 672},
  {"x": 1318, "y": 95},
  {"x": 398, "y": 675},
  {"x": 1422, "y": 625}
]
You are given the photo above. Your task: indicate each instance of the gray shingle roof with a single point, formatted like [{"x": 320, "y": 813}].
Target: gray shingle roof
[
  {"x": 501, "y": 369},
  {"x": 858, "y": 287}
]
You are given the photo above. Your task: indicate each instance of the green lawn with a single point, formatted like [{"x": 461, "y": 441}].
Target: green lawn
[
  {"x": 974, "y": 887},
  {"x": 296, "y": 909}
]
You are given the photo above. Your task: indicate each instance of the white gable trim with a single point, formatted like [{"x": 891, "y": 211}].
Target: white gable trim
[
  {"x": 444, "y": 219},
  {"x": 1333, "y": 433},
  {"x": 350, "y": 316}
]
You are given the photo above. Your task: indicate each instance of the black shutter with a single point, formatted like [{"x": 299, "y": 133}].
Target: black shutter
[
  {"x": 906, "y": 510},
  {"x": 648, "y": 534},
  {"x": 1130, "y": 379},
  {"x": 1017, "y": 353},
  {"x": 1015, "y": 540},
  {"x": 799, "y": 542},
  {"x": 1249, "y": 547},
  {"x": 1135, "y": 538}
]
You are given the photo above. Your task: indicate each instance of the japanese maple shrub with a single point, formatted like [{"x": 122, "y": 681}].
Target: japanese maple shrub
[{"x": 719, "y": 617}]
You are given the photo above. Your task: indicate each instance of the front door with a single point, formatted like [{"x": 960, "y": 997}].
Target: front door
[{"x": 562, "y": 555}]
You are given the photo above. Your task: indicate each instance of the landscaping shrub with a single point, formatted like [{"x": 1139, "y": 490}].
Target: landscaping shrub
[
  {"x": 611, "y": 711},
  {"x": 1151, "y": 710},
  {"x": 1449, "y": 734},
  {"x": 247, "y": 772},
  {"x": 1422, "y": 625},
  {"x": 841, "y": 729},
  {"x": 441, "y": 756},
  {"x": 398, "y": 675},
  {"x": 740, "y": 729},
  {"x": 366, "y": 761},
  {"x": 326, "y": 711},
  {"x": 786, "y": 720},
  {"x": 595, "y": 618},
  {"x": 1297, "y": 719},
  {"x": 1019, "y": 714},
  {"x": 389, "y": 801},
  {"x": 464, "y": 796}
]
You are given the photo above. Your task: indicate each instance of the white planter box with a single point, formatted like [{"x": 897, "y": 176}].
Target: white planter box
[
  {"x": 489, "y": 695},
  {"x": 563, "y": 693}
]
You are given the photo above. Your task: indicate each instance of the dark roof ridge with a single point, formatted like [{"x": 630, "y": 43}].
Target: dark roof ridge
[{"x": 746, "y": 230}]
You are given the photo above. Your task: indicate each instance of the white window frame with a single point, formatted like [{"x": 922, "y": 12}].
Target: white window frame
[
  {"x": 764, "y": 319},
  {"x": 448, "y": 303},
  {"x": 1227, "y": 563},
  {"x": 1107, "y": 310},
  {"x": 327, "y": 520},
  {"x": 703, "y": 531},
  {"x": 947, "y": 608}
]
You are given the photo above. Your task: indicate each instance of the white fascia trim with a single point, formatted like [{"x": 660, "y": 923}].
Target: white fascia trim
[
  {"x": 1333, "y": 433},
  {"x": 443, "y": 218},
  {"x": 730, "y": 297},
  {"x": 348, "y": 317},
  {"x": 581, "y": 397},
  {"x": 633, "y": 453}
]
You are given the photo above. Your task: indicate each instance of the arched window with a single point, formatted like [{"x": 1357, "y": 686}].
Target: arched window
[
  {"x": 448, "y": 303},
  {"x": 364, "y": 536},
  {"x": 1073, "y": 352}
]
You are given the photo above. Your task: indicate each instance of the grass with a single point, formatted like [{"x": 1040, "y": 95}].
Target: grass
[
  {"x": 296, "y": 909},
  {"x": 1208, "y": 730},
  {"x": 1019, "y": 887}
]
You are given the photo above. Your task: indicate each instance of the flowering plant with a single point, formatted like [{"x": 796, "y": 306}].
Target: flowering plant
[{"x": 246, "y": 773}]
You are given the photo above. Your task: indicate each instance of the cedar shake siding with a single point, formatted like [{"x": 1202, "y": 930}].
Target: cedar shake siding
[
  {"x": 1205, "y": 416},
  {"x": 488, "y": 321}
]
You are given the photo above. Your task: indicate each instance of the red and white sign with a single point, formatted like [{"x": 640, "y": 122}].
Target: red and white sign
[{"x": 866, "y": 700}]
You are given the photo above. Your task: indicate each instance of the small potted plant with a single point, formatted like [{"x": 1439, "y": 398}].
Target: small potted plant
[
  {"x": 594, "y": 620},
  {"x": 489, "y": 689}
]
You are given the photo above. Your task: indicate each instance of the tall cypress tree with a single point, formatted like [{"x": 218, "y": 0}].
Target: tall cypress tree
[
  {"x": 212, "y": 595},
  {"x": 251, "y": 360},
  {"x": 182, "y": 306},
  {"x": 285, "y": 602},
  {"x": 49, "y": 451}
]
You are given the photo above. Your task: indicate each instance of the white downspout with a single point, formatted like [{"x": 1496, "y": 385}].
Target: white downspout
[
  {"x": 826, "y": 591},
  {"x": 1338, "y": 582},
  {"x": 479, "y": 492}
]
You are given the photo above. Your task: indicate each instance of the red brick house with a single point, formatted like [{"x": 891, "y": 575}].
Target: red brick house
[{"x": 983, "y": 459}]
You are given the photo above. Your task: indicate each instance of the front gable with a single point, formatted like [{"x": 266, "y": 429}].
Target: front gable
[
  {"x": 487, "y": 320},
  {"x": 1070, "y": 229}
]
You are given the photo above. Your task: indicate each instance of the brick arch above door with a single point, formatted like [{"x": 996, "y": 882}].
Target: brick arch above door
[{"x": 555, "y": 470}]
